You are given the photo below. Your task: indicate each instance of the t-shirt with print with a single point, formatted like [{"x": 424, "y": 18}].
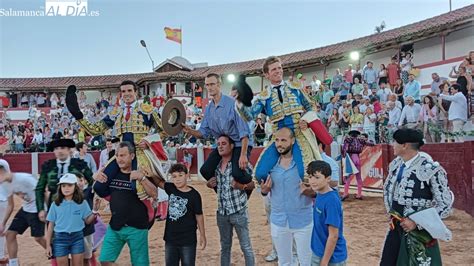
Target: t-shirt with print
[
  {"x": 328, "y": 212},
  {"x": 181, "y": 223},
  {"x": 126, "y": 207}
]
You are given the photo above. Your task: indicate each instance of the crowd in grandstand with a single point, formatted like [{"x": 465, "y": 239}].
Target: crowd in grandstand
[{"x": 373, "y": 100}]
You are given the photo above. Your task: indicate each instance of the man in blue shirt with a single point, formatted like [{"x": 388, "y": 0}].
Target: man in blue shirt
[
  {"x": 370, "y": 75},
  {"x": 291, "y": 211},
  {"x": 220, "y": 118},
  {"x": 412, "y": 88}
]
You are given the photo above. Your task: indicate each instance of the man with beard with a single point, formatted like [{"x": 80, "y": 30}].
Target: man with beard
[{"x": 291, "y": 211}]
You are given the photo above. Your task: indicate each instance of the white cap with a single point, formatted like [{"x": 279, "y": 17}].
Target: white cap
[
  {"x": 4, "y": 164},
  {"x": 68, "y": 179}
]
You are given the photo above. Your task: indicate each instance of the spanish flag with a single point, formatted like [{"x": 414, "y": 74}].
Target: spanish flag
[{"x": 173, "y": 34}]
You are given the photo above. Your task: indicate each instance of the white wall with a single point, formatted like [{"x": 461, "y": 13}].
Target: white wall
[
  {"x": 460, "y": 42},
  {"x": 427, "y": 51}
]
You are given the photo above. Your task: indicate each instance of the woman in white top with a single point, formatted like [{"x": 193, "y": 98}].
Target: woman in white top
[
  {"x": 54, "y": 100},
  {"x": 333, "y": 123},
  {"x": 369, "y": 123},
  {"x": 406, "y": 65},
  {"x": 429, "y": 117},
  {"x": 18, "y": 139}
]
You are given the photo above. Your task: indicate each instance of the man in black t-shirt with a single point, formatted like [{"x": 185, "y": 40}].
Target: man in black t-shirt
[
  {"x": 184, "y": 217},
  {"x": 129, "y": 222}
]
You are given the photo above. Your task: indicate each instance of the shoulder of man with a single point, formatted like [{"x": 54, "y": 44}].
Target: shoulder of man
[
  {"x": 145, "y": 108},
  {"x": 395, "y": 164},
  {"x": 115, "y": 111},
  {"x": 48, "y": 165},
  {"x": 428, "y": 168}
]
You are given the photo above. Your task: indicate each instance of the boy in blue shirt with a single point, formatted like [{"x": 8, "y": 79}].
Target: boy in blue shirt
[{"x": 327, "y": 241}]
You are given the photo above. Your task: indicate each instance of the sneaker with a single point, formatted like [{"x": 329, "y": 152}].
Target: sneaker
[
  {"x": 271, "y": 257},
  {"x": 343, "y": 198},
  {"x": 358, "y": 197}
]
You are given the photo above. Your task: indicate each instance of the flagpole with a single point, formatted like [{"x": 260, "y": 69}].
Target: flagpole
[{"x": 181, "y": 44}]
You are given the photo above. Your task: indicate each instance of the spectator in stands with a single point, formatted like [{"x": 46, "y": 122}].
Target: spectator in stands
[
  {"x": 259, "y": 132},
  {"x": 331, "y": 105},
  {"x": 357, "y": 88},
  {"x": 406, "y": 65},
  {"x": 19, "y": 142},
  {"x": 365, "y": 104},
  {"x": 54, "y": 100},
  {"x": 105, "y": 153},
  {"x": 369, "y": 124},
  {"x": 333, "y": 123},
  {"x": 399, "y": 90},
  {"x": 357, "y": 119},
  {"x": 315, "y": 83},
  {"x": 171, "y": 151},
  {"x": 393, "y": 98},
  {"x": 383, "y": 92},
  {"x": 348, "y": 75},
  {"x": 56, "y": 135},
  {"x": 38, "y": 141},
  {"x": 344, "y": 122},
  {"x": 268, "y": 129},
  {"x": 32, "y": 100},
  {"x": 40, "y": 100},
  {"x": 376, "y": 105},
  {"x": 327, "y": 96},
  {"x": 357, "y": 73},
  {"x": 28, "y": 139},
  {"x": 393, "y": 71},
  {"x": 413, "y": 88},
  {"x": 24, "y": 100},
  {"x": 370, "y": 75},
  {"x": 436, "y": 83},
  {"x": 394, "y": 114},
  {"x": 344, "y": 90},
  {"x": 457, "y": 113},
  {"x": 82, "y": 147},
  {"x": 443, "y": 111},
  {"x": 410, "y": 113},
  {"x": 463, "y": 79},
  {"x": 429, "y": 118},
  {"x": 383, "y": 74}
]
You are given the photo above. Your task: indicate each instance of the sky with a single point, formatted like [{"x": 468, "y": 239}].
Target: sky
[{"x": 214, "y": 32}]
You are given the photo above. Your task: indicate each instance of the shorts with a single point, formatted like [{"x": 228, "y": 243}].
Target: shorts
[
  {"x": 23, "y": 220},
  {"x": 68, "y": 243},
  {"x": 88, "y": 246}
]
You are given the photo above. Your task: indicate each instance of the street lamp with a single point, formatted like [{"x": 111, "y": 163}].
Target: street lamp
[
  {"x": 231, "y": 77},
  {"x": 354, "y": 56},
  {"x": 142, "y": 42}
]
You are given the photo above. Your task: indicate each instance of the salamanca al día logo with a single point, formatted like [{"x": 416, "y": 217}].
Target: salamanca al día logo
[{"x": 66, "y": 8}]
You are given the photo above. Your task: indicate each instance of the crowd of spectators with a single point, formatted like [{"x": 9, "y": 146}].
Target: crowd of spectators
[{"x": 376, "y": 101}]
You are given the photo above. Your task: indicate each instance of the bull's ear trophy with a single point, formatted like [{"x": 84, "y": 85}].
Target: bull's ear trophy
[{"x": 71, "y": 102}]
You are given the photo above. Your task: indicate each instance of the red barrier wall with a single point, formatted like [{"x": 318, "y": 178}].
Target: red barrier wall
[
  {"x": 19, "y": 162},
  {"x": 458, "y": 161},
  {"x": 456, "y": 158}
]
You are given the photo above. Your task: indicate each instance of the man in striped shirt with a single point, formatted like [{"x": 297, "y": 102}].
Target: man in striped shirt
[{"x": 232, "y": 204}]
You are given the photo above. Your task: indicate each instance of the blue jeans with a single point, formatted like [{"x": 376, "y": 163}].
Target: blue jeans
[
  {"x": 68, "y": 243},
  {"x": 175, "y": 254},
  {"x": 226, "y": 224}
]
